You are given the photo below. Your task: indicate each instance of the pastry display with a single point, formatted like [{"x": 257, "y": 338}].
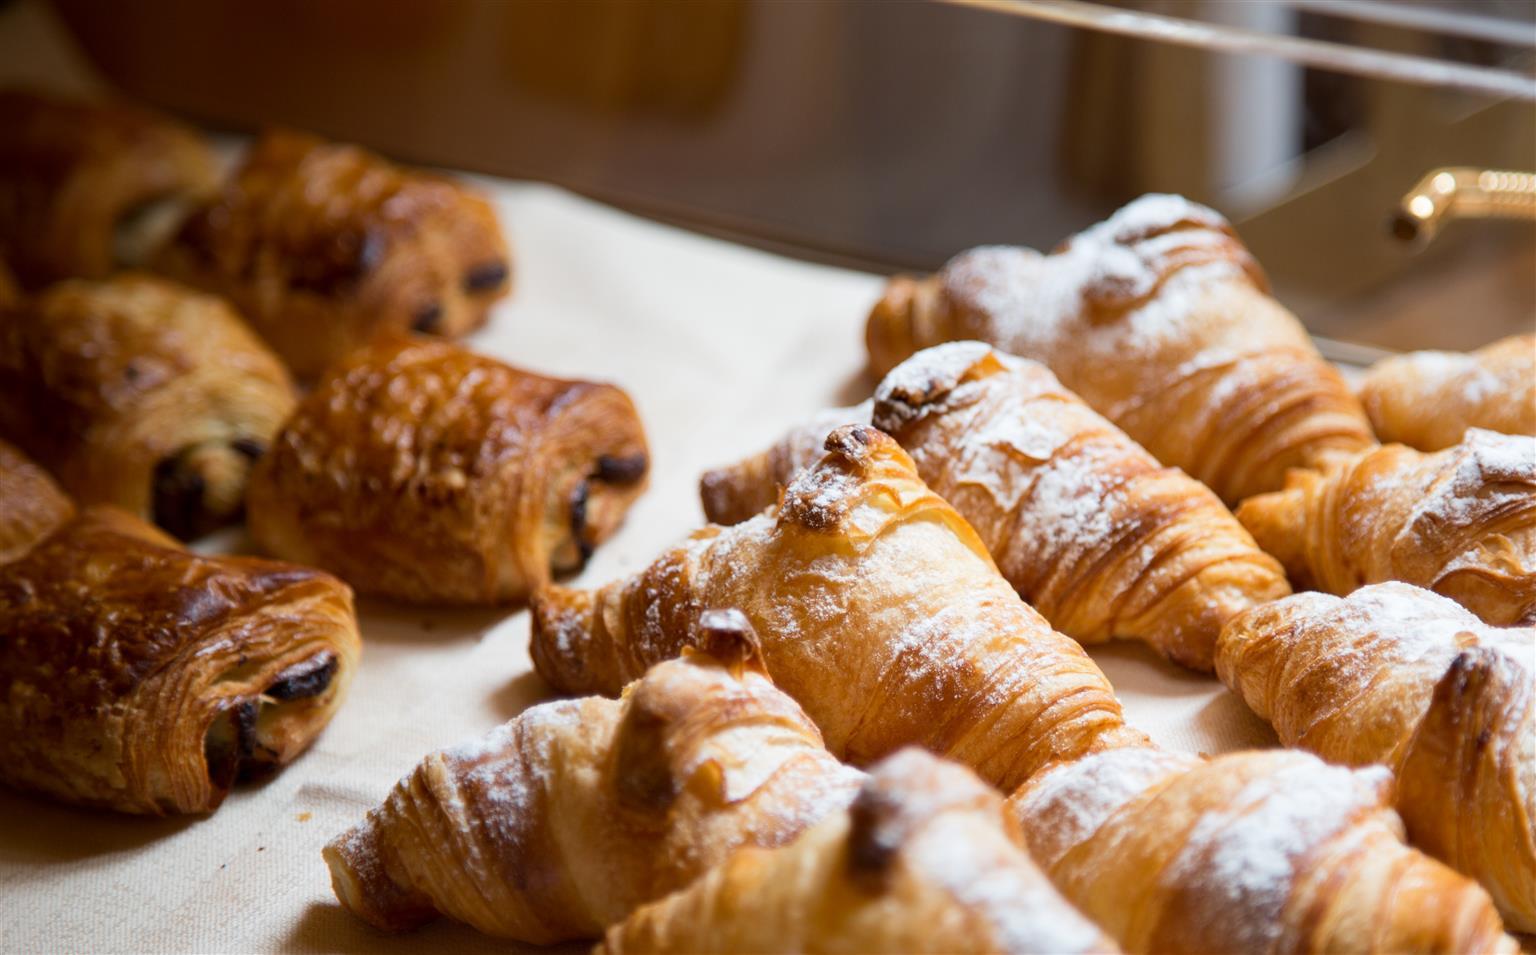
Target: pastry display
[
  {"x": 140, "y": 677},
  {"x": 879, "y": 611},
  {"x": 88, "y": 188},
  {"x": 1398, "y": 676},
  {"x": 1427, "y": 400},
  {"x": 325, "y": 246},
  {"x": 562, "y": 821},
  {"x": 1091, "y": 530},
  {"x": 1161, "y": 320},
  {"x": 1269, "y": 851},
  {"x": 1460, "y": 522},
  {"x": 31, "y": 504},
  {"x": 140, "y": 393},
  {"x": 925, "y": 860},
  {"x": 420, "y": 471}
]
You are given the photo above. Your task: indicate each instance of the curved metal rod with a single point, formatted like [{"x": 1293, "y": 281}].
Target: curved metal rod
[{"x": 1458, "y": 192}]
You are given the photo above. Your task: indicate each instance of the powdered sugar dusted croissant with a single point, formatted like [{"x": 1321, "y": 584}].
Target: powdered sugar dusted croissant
[
  {"x": 560, "y": 822},
  {"x": 1271, "y": 851},
  {"x": 1159, "y": 319},
  {"x": 1402, "y": 677},
  {"x": 1460, "y": 522},
  {"x": 1428, "y": 399},
  {"x": 925, "y": 860},
  {"x": 31, "y": 505},
  {"x": 879, "y": 611}
]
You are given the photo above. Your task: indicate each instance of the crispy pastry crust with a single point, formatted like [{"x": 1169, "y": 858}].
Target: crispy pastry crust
[
  {"x": 562, "y": 821},
  {"x": 137, "y": 676},
  {"x": 31, "y": 505},
  {"x": 925, "y": 860},
  {"x": 1428, "y": 399},
  {"x": 139, "y": 393},
  {"x": 1161, "y": 320},
  {"x": 1272, "y": 851},
  {"x": 1398, "y": 676},
  {"x": 73, "y": 176},
  {"x": 325, "y": 246},
  {"x": 421, "y": 471},
  {"x": 879, "y": 610},
  {"x": 1460, "y": 522}
]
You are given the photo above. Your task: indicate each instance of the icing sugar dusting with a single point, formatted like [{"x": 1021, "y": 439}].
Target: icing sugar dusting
[{"x": 1491, "y": 472}]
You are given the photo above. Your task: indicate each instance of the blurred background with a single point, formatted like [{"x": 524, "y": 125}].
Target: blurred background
[{"x": 890, "y": 135}]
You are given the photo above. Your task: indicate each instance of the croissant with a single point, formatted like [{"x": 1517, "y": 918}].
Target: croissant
[
  {"x": 1399, "y": 676},
  {"x": 140, "y": 393},
  {"x": 880, "y": 612},
  {"x": 1428, "y": 399},
  {"x": 1272, "y": 851},
  {"x": 1088, "y": 527},
  {"x": 140, "y": 677},
  {"x": 1460, "y": 522},
  {"x": 925, "y": 860},
  {"x": 560, "y": 822},
  {"x": 1162, "y": 322},
  {"x": 325, "y": 246},
  {"x": 734, "y": 493},
  {"x": 421, "y": 471},
  {"x": 31, "y": 505},
  {"x": 88, "y": 188}
]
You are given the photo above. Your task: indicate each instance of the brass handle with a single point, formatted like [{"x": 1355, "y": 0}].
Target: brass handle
[{"x": 1463, "y": 193}]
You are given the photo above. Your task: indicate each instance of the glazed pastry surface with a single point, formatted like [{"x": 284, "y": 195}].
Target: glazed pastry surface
[
  {"x": 560, "y": 822},
  {"x": 142, "y": 394},
  {"x": 325, "y": 246},
  {"x": 31, "y": 504},
  {"x": 423, "y": 472},
  {"x": 1460, "y": 522},
  {"x": 1401, "y": 677},
  {"x": 1429, "y": 399},
  {"x": 1162, "y": 322},
  {"x": 140, "y": 677}
]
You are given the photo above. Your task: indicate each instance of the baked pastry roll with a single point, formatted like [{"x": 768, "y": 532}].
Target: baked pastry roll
[
  {"x": 1272, "y": 851},
  {"x": 560, "y": 822},
  {"x": 1460, "y": 522},
  {"x": 1088, "y": 527},
  {"x": 925, "y": 860},
  {"x": 87, "y": 188},
  {"x": 1399, "y": 676},
  {"x": 31, "y": 505},
  {"x": 421, "y": 471},
  {"x": 140, "y": 393},
  {"x": 140, "y": 677},
  {"x": 1428, "y": 399},
  {"x": 324, "y": 246},
  {"x": 1161, "y": 320},
  {"x": 879, "y": 611}
]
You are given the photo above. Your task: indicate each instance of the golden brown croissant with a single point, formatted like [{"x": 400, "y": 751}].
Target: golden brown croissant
[
  {"x": 421, "y": 471},
  {"x": 1428, "y": 399},
  {"x": 1088, "y": 527},
  {"x": 89, "y": 188},
  {"x": 143, "y": 394},
  {"x": 1460, "y": 522},
  {"x": 31, "y": 505},
  {"x": 324, "y": 246},
  {"x": 562, "y": 821},
  {"x": 1160, "y": 320},
  {"x": 734, "y": 493},
  {"x": 925, "y": 860},
  {"x": 140, "y": 393},
  {"x": 1272, "y": 851},
  {"x": 141, "y": 677},
  {"x": 879, "y": 610},
  {"x": 1399, "y": 676}
]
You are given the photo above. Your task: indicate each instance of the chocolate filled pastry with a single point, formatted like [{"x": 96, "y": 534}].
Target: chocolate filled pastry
[
  {"x": 420, "y": 471},
  {"x": 140, "y": 677},
  {"x": 1428, "y": 399},
  {"x": 1162, "y": 321},
  {"x": 324, "y": 246},
  {"x": 88, "y": 188},
  {"x": 137, "y": 392},
  {"x": 31, "y": 504}
]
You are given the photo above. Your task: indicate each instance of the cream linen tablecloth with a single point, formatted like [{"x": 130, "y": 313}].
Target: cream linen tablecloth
[{"x": 722, "y": 348}]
